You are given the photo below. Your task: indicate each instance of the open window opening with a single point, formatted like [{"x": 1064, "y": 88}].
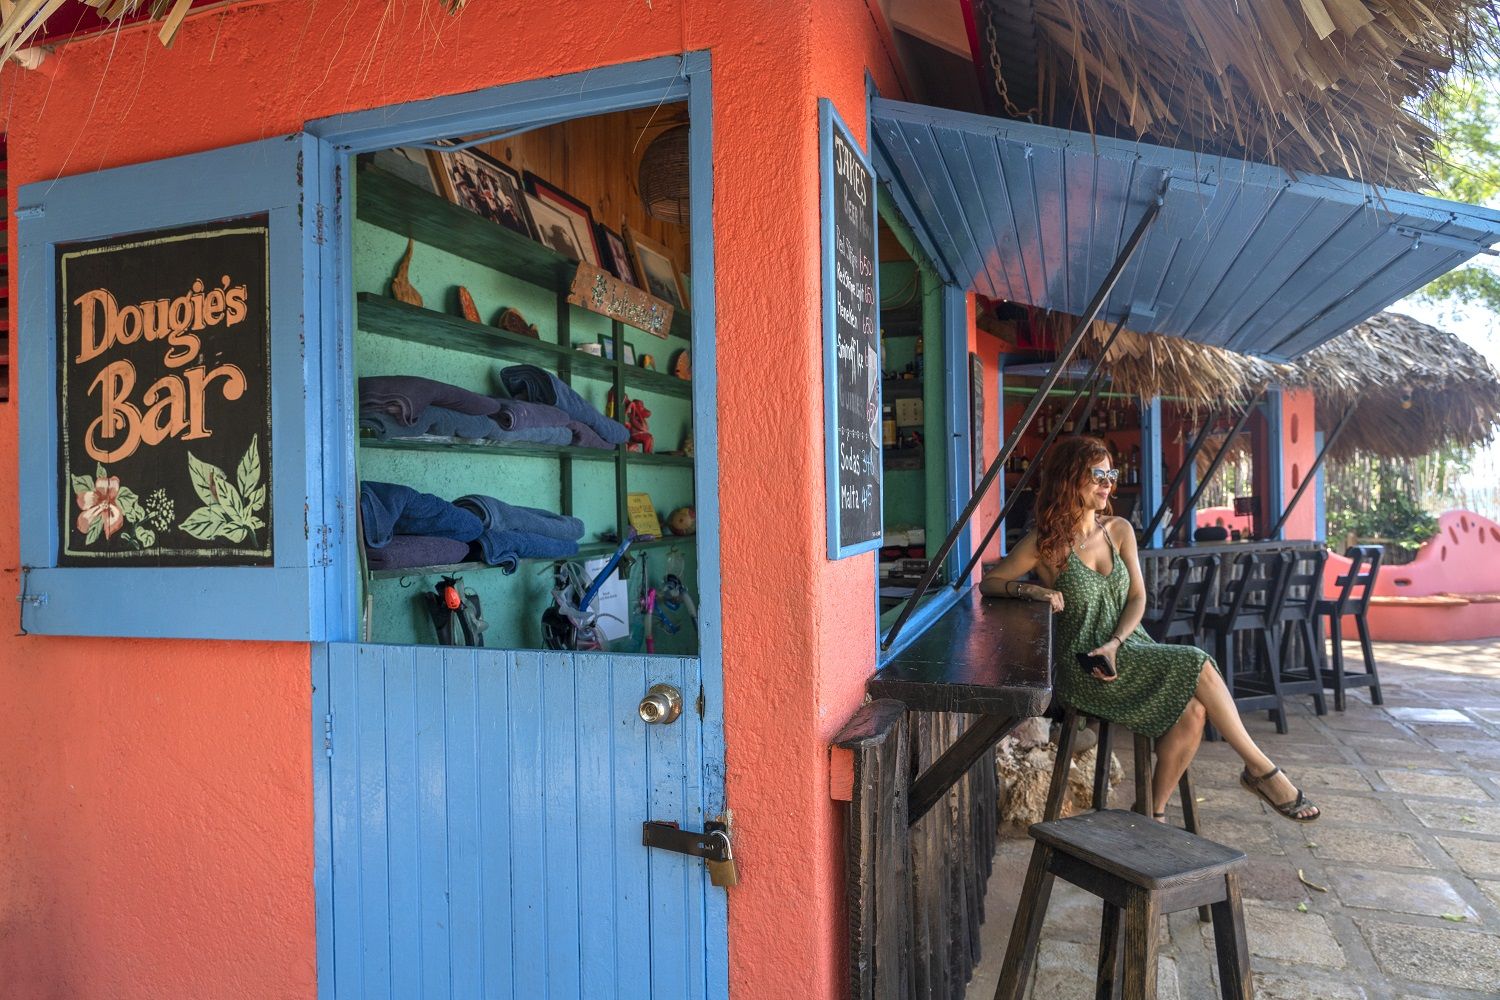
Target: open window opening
[
  {"x": 917, "y": 505},
  {"x": 524, "y": 361}
]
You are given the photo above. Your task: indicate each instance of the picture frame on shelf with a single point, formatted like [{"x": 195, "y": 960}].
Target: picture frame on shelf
[
  {"x": 657, "y": 269},
  {"x": 607, "y": 348},
  {"x": 559, "y": 230},
  {"x": 582, "y": 218},
  {"x": 485, "y": 186},
  {"x": 628, "y": 353},
  {"x": 616, "y": 256},
  {"x": 409, "y": 164}
]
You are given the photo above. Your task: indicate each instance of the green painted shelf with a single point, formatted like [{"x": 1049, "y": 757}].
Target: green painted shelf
[
  {"x": 406, "y": 210},
  {"x": 390, "y": 318},
  {"x": 524, "y": 450},
  {"x": 592, "y": 550}
]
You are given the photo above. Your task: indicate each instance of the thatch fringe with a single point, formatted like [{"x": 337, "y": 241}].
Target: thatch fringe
[
  {"x": 1326, "y": 86},
  {"x": 1415, "y": 388}
]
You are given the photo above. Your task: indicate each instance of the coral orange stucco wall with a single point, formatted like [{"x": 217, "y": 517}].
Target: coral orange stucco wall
[
  {"x": 156, "y": 831},
  {"x": 1298, "y": 450}
]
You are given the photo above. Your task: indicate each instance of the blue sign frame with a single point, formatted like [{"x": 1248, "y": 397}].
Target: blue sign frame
[{"x": 828, "y": 120}]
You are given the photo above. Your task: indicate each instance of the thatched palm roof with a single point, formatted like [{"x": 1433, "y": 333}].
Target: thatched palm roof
[
  {"x": 1325, "y": 86},
  {"x": 1416, "y": 388}
]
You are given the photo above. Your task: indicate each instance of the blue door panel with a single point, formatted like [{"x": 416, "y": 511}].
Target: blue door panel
[{"x": 487, "y": 811}]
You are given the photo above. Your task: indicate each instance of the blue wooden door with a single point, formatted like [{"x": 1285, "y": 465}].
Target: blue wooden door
[{"x": 485, "y": 811}]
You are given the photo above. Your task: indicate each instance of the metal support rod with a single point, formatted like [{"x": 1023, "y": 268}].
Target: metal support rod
[
  {"x": 1094, "y": 379},
  {"x": 1182, "y": 472},
  {"x": 1214, "y": 466},
  {"x": 1137, "y": 237},
  {"x": 1312, "y": 472},
  {"x": 1088, "y": 409}
]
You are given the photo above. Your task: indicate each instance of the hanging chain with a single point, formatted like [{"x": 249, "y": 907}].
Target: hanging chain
[{"x": 991, "y": 38}]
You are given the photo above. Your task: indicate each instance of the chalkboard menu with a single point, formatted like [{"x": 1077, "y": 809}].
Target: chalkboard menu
[
  {"x": 164, "y": 398},
  {"x": 851, "y": 344}
]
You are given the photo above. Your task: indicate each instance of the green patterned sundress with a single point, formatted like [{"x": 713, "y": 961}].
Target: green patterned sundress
[{"x": 1156, "y": 680}]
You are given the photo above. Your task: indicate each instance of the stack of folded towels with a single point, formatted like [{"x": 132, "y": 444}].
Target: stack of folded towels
[
  {"x": 404, "y": 529},
  {"x": 541, "y": 409}
]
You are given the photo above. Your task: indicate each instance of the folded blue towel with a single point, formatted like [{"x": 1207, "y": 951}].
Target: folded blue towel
[
  {"x": 506, "y": 549},
  {"x": 584, "y": 437},
  {"x": 389, "y": 509},
  {"x": 517, "y": 414},
  {"x": 497, "y": 515},
  {"x": 532, "y": 384},
  {"x": 407, "y": 551},
  {"x": 438, "y": 421},
  {"x": 406, "y": 396}
]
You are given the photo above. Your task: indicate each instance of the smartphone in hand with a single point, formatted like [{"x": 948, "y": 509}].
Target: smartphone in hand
[{"x": 1100, "y": 663}]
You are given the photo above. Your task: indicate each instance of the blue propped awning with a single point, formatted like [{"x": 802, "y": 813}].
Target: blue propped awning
[{"x": 1242, "y": 256}]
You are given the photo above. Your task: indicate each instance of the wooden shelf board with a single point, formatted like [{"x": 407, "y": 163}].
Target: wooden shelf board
[
  {"x": 592, "y": 550},
  {"x": 390, "y": 318},
  {"x": 521, "y": 450}
]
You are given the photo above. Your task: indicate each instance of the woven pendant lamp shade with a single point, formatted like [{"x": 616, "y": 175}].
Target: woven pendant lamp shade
[{"x": 663, "y": 177}]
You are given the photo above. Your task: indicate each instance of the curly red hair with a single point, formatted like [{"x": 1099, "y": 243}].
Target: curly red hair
[{"x": 1060, "y": 496}]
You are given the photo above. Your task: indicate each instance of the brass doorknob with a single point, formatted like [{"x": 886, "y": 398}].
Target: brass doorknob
[{"x": 662, "y": 705}]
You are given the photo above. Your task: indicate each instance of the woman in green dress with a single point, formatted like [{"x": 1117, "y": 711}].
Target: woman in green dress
[{"x": 1091, "y": 576}]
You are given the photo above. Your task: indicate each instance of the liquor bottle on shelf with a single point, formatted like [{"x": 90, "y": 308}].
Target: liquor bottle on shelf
[
  {"x": 919, "y": 356},
  {"x": 1068, "y": 425},
  {"x": 888, "y": 424},
  {"x": 1135, "y": 465},
  {"x": 1025, "y": 463}
]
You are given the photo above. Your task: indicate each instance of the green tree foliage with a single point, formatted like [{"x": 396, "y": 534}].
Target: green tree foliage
[{"x": 1466, "y": 167}]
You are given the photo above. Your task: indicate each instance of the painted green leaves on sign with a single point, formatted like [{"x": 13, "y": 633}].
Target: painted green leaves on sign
[{"x": 229, "y": 509}]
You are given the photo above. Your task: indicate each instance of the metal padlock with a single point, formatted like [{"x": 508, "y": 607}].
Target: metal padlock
[{"x": 725, "y": 874}]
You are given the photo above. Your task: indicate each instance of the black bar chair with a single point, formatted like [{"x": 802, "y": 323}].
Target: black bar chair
[
  {"x": 1187, "y": 600},
  {"x": 1353, "y": 601},
  {"x": 1252, "y": 593},
  {"x": 1301, "y": 649}
]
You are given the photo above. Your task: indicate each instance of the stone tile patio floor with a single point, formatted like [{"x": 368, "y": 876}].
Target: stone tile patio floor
[{"x": 1408, "y": 848}]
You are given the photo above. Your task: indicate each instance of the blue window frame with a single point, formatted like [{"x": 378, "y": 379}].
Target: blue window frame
[{"x": 284, "y": 600}]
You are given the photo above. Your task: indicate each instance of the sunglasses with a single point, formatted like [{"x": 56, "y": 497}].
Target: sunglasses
[{"x": 1110, "y": 476}]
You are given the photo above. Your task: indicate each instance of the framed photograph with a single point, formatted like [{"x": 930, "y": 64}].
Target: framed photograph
[
  {"x": 583, "y": 220},
  {"x": 657, "y": 269},
  {"x": 564, "y": 232},
  {"x": 629, "y": 353},
  {"x": 617, "y": 256},
  {"x": 411, "y": 165},
  {"x": 607, "y": 348},
  {"x": 484, "y": 186}
]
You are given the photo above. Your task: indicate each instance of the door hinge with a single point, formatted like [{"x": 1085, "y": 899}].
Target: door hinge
[{"x": 328, "y": 735}]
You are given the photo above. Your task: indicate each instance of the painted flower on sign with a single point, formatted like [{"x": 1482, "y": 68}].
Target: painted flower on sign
[
  {"x": 99, "y": 506},
  {"x": 105, "y": 507}
]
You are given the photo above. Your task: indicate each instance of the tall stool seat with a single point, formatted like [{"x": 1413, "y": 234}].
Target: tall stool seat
[
  {"x": 1186, "y": 600},
  {"x": 1246, "y": 620},
  {"x": 1142, "y": 870},
  {"x": 1352, "y": 601},
  {"x": 1295, "y": 618}
]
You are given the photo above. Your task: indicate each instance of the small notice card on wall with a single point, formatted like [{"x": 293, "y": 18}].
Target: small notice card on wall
[
  {"x": 164, "y": 396},
  {"x": 851, "y": 343}
]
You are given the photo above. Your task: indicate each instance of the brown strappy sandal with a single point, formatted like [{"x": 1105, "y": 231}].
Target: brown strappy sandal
[{"x": 1288, "y": 809}]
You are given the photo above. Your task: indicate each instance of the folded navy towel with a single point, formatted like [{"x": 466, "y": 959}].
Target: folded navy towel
[
  {"x": 583, "y": 436},
  {"x": 517, "y": 414},
  {"x": 406, "y": 551},
  {"x": 530, "y": 383},
  {"x": 389, "y": 509},
  {"x": 406, "y": 396},
  {"x": 497, "y": 515},
  {"x": 438, "y": 421},
  {"x": 506, "y": 549}
]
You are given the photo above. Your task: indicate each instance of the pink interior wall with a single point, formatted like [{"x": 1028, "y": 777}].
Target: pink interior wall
[
  {"x": 155, "y": 797},
  {"x": 1298, "y": 450},
  {"x": 990, "y": 348}
]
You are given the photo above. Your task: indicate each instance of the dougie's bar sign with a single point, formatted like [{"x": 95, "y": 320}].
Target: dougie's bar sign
[{"x": 165, "y": 398}]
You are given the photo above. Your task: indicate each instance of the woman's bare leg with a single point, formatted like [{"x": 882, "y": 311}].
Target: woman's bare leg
[
  {"x": 1175, "y": 749},
  {"x": 1222, "y": 712}
]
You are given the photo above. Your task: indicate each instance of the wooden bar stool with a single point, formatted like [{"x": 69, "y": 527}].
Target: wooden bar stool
[
  {"x": 1143, "y": 755},
  {"x": 1301, "y": 665},
  {"x": 1353, "y": 601},
  {"x": 1187, "y": 600},
  {"x": 1251, "y": 599},
  {"x": 1142, "y": 870}
]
